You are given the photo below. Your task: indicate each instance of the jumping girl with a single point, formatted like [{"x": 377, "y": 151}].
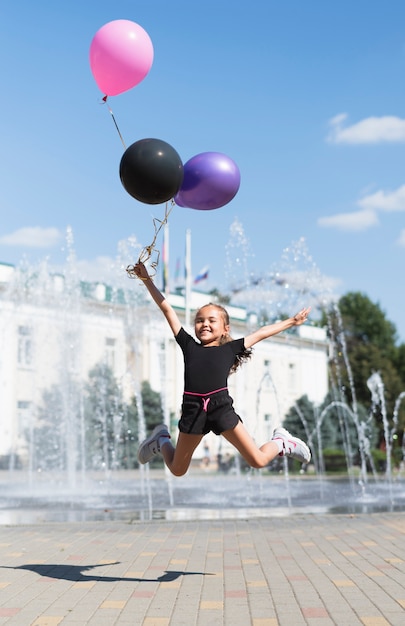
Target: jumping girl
[{"x": 207, "y": 405}]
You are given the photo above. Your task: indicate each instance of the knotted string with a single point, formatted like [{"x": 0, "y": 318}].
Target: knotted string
[{"x": 147, "y": 252}]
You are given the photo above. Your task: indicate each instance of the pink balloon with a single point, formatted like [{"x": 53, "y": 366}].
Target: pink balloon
[{"x": 121, "y": 55}]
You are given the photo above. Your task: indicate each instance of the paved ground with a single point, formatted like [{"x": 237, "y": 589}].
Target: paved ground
[{"x": 279, "y": 571}]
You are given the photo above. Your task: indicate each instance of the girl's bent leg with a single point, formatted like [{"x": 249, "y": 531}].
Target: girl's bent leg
[
  {"x": 243, "y": 442},
  {"x": 178, "y": 458}
]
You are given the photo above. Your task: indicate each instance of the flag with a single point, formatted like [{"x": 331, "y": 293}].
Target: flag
[
  {"x": 202, "y": 275},
  {"x": 187, "y": 277}
]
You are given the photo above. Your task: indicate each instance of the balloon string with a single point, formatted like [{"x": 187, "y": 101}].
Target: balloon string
[
  {"x": 114, "y": 120},
  {"x": 146, "y": 253}
]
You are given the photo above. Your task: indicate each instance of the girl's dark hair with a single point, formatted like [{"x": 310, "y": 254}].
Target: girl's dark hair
[{"x": 243, "y": 356}]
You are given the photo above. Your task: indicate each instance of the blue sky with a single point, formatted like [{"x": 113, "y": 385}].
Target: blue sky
[{"x": 306, "y": 97}]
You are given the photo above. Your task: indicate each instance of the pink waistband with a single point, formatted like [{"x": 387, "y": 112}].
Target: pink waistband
[{"x": 203, "y": 395}]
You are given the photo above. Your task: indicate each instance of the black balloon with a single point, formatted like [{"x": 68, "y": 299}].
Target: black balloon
[{"x": 151, "y": 171}]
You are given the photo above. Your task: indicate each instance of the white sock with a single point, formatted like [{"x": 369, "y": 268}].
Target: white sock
[
  {"x": 280, "y": 444},
  {"x": 162, "y": 440}
]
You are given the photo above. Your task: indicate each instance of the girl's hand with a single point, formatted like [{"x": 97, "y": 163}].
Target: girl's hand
[
  {"x": 141, "y": 271},
  {"x": 302, "y": 316}
]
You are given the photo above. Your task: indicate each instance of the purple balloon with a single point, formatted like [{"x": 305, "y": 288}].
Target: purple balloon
[{"x": 211, "y": 180}]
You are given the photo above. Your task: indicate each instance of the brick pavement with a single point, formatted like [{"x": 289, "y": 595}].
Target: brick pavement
[{"x": 280, "y": 571}]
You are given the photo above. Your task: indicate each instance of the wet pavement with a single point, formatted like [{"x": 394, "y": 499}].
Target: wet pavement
[{"x": 154, "y": 495}]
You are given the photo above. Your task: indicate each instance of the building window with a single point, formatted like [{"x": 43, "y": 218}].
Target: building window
[
  {"x": 24, "y": 355},
  {"x": 23, "y": 416},
  {"x": 269, "y": 426},
  {"x": 110, "y": 345}
]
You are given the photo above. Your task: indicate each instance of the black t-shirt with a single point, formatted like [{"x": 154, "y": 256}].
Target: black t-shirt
[{"x": 206, "y": 369}]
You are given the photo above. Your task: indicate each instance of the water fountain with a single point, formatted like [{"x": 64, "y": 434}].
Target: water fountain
[{"x": 107, "y": 492}]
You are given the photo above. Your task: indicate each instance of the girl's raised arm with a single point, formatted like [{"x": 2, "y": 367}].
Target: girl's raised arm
[
  {"x": 273, "y": 329},
  {"x": 159, "y": 298}
]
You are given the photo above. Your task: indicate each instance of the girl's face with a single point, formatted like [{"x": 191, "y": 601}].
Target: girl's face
[{"x": 209, "y": 325}]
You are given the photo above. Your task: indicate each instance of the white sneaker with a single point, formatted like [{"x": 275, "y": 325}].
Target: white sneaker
[
  {"x": 150, "y": 447},
  {"x": 292, "y": 446}
]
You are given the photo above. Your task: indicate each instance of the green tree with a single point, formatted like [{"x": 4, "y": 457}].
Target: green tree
[
  {"x": 399, "y": 361},
  {"x": 365, "y": 322},
  {"x": 152, "y": 411},
  {"x": 129, "y": 436},
  {"x": 300, "y": 418},
  {"x": 93, "y": 420},
  {"x": 365, "y": 342},
  {"x": 304, "y": 419},
  {"x": 111, "y": 425},
  {"x": 56, "y": 436},
  {"x": 333, "y": 429},
  {"x": 219, "y": 297},
  {"x": 152, "y": 406}
]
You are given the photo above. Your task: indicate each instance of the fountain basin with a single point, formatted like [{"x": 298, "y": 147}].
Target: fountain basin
[{"x": 138, "y": 496}]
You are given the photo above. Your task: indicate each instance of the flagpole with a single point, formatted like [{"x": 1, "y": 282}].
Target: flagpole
[
  {"x": 165, "y": 277},
  {"x": 187, "y": 268}
]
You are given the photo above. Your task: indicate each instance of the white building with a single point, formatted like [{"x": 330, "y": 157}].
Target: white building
[{"x": 52, "y": 328}]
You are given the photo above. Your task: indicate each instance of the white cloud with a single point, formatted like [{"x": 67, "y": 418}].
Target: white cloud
[
  {"x": 370, "y": 205},
  {"x": 401, "y": 238},
  {"x": 384, "y": 200},
  {"x": 32, "y": 237},
  {"x": 355, "y": 221},
  {"x": 388, "y": 128}
]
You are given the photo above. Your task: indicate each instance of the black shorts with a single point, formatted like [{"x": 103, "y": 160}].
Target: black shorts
[{"x": 201, "y": 414}]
